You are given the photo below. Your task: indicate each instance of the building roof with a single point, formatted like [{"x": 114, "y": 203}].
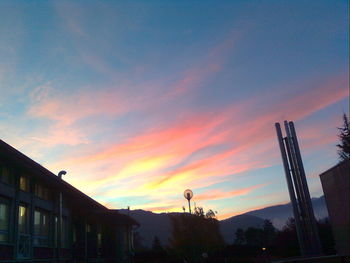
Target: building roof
[
  {"x": 113, "y": 215},
  {"x": 21, "y": 161},
  {"x": 342, "y": 163}
]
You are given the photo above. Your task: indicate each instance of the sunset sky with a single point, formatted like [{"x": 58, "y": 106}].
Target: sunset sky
[{"x": 140, "y": 100}]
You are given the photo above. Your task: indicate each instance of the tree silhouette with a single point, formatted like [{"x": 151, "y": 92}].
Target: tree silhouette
[
  {"x": 344, "y": 137},
  {"x": 254, "y": 237},
  {"x": 269, "y": 233},
  {"x": 287, "y": 240},
  {"x": 156, "y": 245},
  {"x": 239, "y": 240},
  {"x": 193, "y": 234}
]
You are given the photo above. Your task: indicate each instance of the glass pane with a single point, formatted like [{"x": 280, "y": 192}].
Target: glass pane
[
  {"x": 4, "y": 214},
  {"x": 22, "y": 219},
  {"x": 41, "y": 191},
  {"x": 24, "y": 183},
  {"x": 36, "y": 222},
  {"x": 3, "y": 237},
  {"x": 99, "y": 239},
  {"x": 45, "y": 224},
  {"x": 5, "y": 175}
]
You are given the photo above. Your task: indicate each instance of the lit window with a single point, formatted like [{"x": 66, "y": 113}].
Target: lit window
[
  {"x": 99, "y": 238},
  {"x": 23, "y": 219},
  {"x": 24, "y": 183},
  {"x": 41, "y": 227},
  {"x": 4, "y": 221}
]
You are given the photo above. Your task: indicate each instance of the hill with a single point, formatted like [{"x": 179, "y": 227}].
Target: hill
[
  {"x": 279, "y": 214},
  {"x": 152, "y": 224}
]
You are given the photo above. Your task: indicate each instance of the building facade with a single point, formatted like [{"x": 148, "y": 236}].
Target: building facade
[
  {"x": 336, "y": 189},
  {"x": 45, "y": 219}
]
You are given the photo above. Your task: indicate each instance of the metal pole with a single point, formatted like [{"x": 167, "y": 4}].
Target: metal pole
[
  {"x": 189, "y": 205},
  {"x": 295, "y": 167},
  {"x": 60, "y": 214},
  {"x": 315, "y": 242},
  {"x": 298, "y": 186},
  {"x": 290, "y": 187}
]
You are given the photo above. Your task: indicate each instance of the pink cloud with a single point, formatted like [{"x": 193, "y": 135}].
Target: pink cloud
[
  {"x": 249, "y": 145},
  {"x": 219, "y": 194}
]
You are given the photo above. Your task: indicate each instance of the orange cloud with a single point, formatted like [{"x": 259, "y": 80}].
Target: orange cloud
[
  {"x": 218, "y": 194},
  {"x": 159, "y": 154}
]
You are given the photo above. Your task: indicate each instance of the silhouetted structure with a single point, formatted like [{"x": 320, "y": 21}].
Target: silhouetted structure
[
  {"x": 336, "y": 188},
  {"x": 29, "y": 213},
  {"x": 298, "y": 191}
]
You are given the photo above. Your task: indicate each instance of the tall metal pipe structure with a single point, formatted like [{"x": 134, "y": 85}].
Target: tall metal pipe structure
[{"x": 305, "y": 222}]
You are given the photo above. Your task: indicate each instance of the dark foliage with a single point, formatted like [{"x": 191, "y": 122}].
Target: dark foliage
[
  {"x": 326, "y": 237},
  {"x": 138, "y": 242},
  {"x": 344, "y": 139},
  {"x": 156, "y": 245},
  {"x": 194, "y": 234},
  {"x": 287, "y": 240},
  {"x": 240, "y": 239}
]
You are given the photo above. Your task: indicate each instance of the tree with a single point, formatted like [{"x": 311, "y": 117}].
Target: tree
[
  {"x": 269, "y": 233},
  {"x": 254, "y": 237},
  {"x": 239, "y": 240},
  {"x": 193, "y": 234},
  {"x": 156, "y": 245},
  {"x": 344, "y": 137},
  {"x": 138, "y": 241},
  {"x": 287, "y": 240}
]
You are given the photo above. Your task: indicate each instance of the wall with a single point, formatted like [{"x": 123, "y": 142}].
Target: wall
[{"x": 336, "y": 187}]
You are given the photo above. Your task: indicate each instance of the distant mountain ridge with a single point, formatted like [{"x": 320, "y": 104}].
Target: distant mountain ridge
[
  {"x": 152, "y": 224},
  {"x": 279, "y": 214}
]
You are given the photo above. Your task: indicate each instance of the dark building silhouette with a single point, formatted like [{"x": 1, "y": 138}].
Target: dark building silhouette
[
  {"x": 30, "y": 225},
  {"x": 336, "y": 188}
]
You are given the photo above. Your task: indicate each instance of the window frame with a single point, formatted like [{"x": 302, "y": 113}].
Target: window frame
[
  {"x": 6, "y": 232},
  {"x": 43, "y": 235},
  {"x": 26, "y": 183},
  {"x": 26, "y": 219},
  {"x": 10, "y": 178},
  {"x": 41, "y": 191}
]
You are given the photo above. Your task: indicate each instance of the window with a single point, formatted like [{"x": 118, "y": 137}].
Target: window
[
  {"x": 23, "y": 216},
  {"x": 41, "y": 191},
  {"x": 99, "y": 237},
  {"x": 99, "y": 240},
  {"x": 6, "y": 175},
  {"x": 41, "y": 228},
  {"x": 4, "y": 221},
  {"x": 24, "y": 183}
]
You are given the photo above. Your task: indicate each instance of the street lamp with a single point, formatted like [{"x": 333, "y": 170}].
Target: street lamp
[
  {"x": 60, "y": 219},
  {"x": 188, "y": 194}
]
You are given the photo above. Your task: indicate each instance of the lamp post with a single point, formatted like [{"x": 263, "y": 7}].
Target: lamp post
[
  {"x": 59, "y": 230},
  {"x": 188, "y": 194}
]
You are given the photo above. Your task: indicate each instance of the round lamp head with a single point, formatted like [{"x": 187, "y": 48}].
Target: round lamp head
[{"x": 188, "y": 194}]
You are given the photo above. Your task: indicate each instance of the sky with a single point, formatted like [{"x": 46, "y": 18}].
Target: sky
[{"x": 140, "y": 100}]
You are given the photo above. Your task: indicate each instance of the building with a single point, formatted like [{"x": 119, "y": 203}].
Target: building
[
  {"x": 45, "y": 219},
  {"x": 336, "y": 189}
]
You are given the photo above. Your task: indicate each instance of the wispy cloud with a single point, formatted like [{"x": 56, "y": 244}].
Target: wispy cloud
[{"x": 199, "y": 151}]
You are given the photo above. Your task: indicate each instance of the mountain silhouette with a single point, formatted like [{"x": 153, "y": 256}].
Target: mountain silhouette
[
  {"x": 154, "y": 224},
  {"x": 279, "y": 214}
]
